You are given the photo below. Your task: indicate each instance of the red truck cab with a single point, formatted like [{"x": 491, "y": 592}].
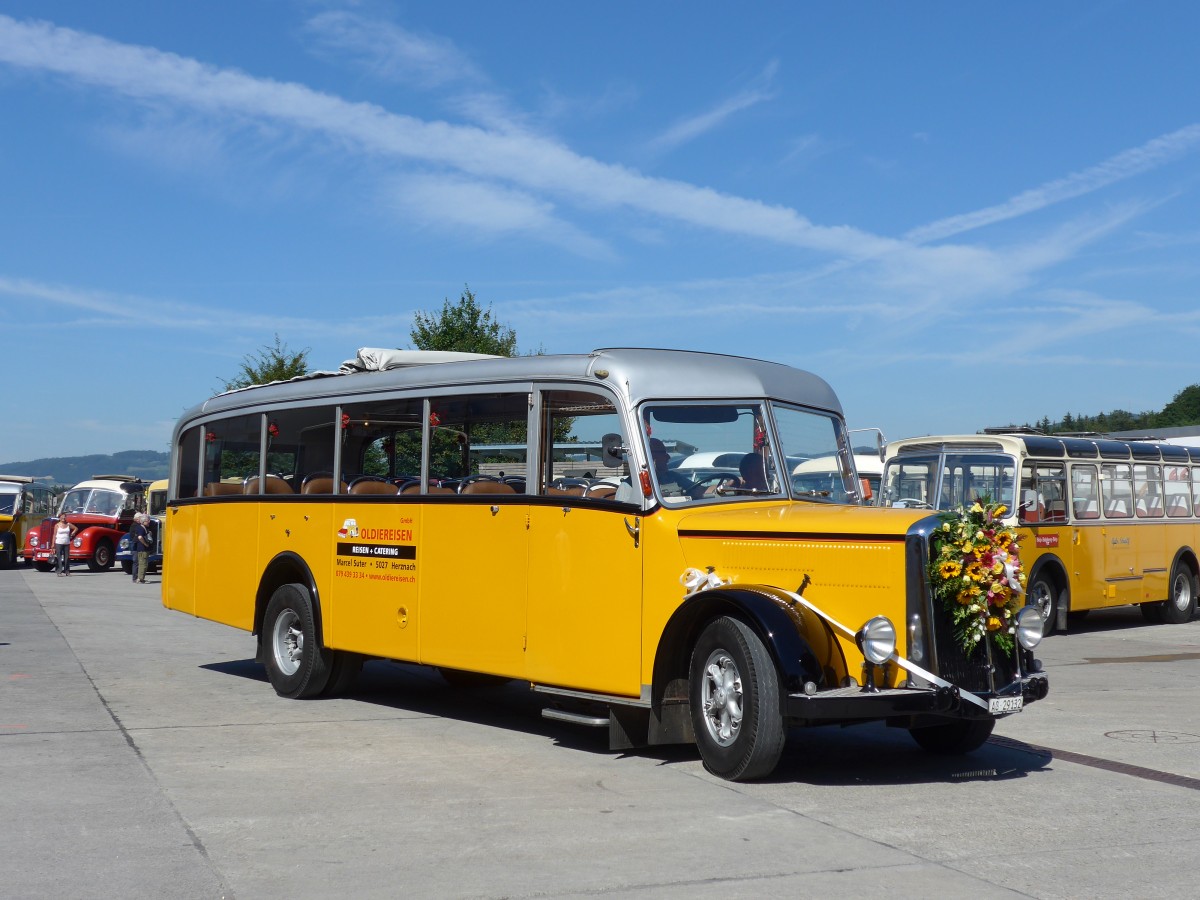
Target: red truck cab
[{"x": 102, "y": 510}]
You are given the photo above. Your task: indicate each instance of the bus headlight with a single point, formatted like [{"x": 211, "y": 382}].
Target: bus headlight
[
  {"x": 1029, "y": 627},
  {"x": 877, "y": 640}
]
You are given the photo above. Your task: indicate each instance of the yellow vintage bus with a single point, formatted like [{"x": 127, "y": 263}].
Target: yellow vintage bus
[
  {"x": 24, "y": 502},
  {"x": 519, "y": 519},
  {"x": 1104, "y": 522}
]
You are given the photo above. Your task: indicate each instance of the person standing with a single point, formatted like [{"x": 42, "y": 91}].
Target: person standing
[
  {"x": 63, "y": 532},
  {"x": 139, "y": 538}
]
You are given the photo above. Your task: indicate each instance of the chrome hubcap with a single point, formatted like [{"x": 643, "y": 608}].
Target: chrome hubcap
[
  {"x": 722, "y": 698},
  {"x": 287, "y": 642},
  {"x": 1039, "y": 596},
  {"x": 1181, "y": 595}
]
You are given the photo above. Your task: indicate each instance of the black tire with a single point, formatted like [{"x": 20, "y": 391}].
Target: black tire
[
  {"x": 43, "y": 566},
  {"x": 1152, "y": 612},
  {"x": 1181, "y": 602},
  {"x": 1043, "y": 594},
  {"x": 8, "y": 551},
  {"x": 297, "y": 665},
  {"x": 460, "y": 678},
  {"x": 126, "y": 567},
  {"x": 102, "y": 557},
  {"x": 344, "y": 672},
  {"x": 734, "y": 691},
  {"x": 953, "y": 738}
]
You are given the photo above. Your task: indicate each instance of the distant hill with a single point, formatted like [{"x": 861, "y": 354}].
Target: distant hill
[{"x": 68, "y": 470}]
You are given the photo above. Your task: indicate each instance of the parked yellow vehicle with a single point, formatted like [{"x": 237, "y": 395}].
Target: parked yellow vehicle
[
  {"x": 24, "y": 502},
  {"x": 421, "y": 513}
]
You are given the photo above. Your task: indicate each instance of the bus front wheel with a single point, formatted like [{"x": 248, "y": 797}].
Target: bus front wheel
[
  {"x": 102, "y": 557},
  {"x": 297, "y": 665},
  {"x": 1043, "y": 594},
  {"x": 734, "y": 691}
]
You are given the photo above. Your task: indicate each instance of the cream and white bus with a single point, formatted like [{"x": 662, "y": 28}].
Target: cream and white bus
[
  {"x": 421, "y": 513},
  {"x": 1104, "y": 522}
]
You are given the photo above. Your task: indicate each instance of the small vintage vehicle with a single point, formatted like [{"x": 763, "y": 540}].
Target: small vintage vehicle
[
  {"x": 156, "y": 506},
  {"x": 102, "y": 510},
  {"x": 23, "y": 501}
]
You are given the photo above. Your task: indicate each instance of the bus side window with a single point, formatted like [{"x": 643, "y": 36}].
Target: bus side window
[{"x": 1084, "y": 496}]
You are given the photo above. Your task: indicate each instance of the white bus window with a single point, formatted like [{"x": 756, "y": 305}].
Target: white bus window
[
  {"x": 232, "y": 449},
  {"x": 1117, "y": 481},
  {"x": 1085, "y": 492},
  {"x": 1043, "y": 493},
  {"x": 1147, "y": 489},
  {"x": 1177, "y": 491}
]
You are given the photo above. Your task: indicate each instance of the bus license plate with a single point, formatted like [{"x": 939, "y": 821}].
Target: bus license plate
[{"x": 1000, "y": 705}]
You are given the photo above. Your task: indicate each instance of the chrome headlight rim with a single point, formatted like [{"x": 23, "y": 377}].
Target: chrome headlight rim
[
  {"x": 1029, "y": 627},
  {"x": 877, "y": 640}
]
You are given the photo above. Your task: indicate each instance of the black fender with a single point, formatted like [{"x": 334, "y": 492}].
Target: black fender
[
  {"x": 285, "y": 568},
  {"x": 800, "y": 642},
  {"x": 1058, "y": 573},
  {"x": 1187, "y": 556}
]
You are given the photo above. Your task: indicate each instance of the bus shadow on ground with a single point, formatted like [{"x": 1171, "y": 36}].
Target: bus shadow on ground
[
  {"x": 1118, "y": 618},
  {"x": 870, "y": 754}
]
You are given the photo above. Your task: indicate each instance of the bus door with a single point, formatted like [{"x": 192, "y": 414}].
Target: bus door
[
  {"x": 1042, "y": 507},
  {"x": 1088, "y": 539},
  {"x": 1122, "y": 573},
  {"x": 473, "y": 550},
  {"x": 585, "y": 558},
  {"x": 1149, "y": 509}
]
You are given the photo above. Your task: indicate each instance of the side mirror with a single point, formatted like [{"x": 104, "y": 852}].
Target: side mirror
[{"x": 614, "y": 453}]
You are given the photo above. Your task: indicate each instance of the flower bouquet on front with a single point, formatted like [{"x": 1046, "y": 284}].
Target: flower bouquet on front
[{"x": 976, "y": 575}]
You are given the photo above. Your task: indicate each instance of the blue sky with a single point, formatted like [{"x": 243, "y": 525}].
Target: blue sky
[{"x": 959, "y": 214}]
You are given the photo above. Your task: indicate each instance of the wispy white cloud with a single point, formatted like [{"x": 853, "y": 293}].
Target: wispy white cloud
[
  {"x": 531, "y": 162},
  {"x": 388, "y": 51},
  {"x": 693, "y": 127},
  {"x": 490, "y": 210},
  {"x": 1126, "y": 164}
]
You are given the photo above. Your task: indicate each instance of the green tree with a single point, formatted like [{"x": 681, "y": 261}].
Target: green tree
[
  {"x": 272, "y": 363},
  {"x": 1184, "y": 409},
  {"x": 464, "y": 327}
]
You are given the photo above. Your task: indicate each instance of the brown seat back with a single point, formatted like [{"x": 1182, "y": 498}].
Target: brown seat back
[
  {"x": 274, "y": 485},
  {"x": 371, "y": 486},
  {"x": 220, "y": 489},
  {"x": 320, "y": 484},
  {"x": 483, "y": 486}
]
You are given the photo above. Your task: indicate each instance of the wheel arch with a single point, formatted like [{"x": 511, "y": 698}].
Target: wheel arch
[
  {"x": 286, "y": 568},
  {"x": 788, "y": 636},
  {"x": 1054, "y": 568},
  {"x": 1187, "y": 556}
]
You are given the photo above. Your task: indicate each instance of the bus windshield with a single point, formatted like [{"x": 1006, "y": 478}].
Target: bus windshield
[{"x": 948, "y": 481}]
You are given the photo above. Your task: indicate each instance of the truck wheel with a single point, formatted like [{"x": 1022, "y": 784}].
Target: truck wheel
[
  {"x": 126, "y": 567},
  {"x": 734, "y": 690},
  {"x": 43, "y": 566},
  {"x": 8, "y": 551},
  {"x": 297, "y": 665},
  {"x": 1181, "y": 604},
  {"x": 953, "y": 738},
  {"x": 102, "y": 558}
]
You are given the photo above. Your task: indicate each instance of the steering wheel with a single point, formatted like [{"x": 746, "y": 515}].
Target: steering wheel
[{"x": 911, "y": 503}]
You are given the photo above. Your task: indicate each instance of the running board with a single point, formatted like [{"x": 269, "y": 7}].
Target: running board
[{"x": 565, "y": 715}]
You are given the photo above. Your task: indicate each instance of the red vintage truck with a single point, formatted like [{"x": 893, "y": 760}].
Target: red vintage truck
[{"x": 102, "y": 510}]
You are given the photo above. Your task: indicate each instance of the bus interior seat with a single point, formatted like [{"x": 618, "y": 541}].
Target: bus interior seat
[
  {"x": 320, "y": 483},
  {"x": 1056, "y": 511},
  {"x": 372, "y": 484},
  {"x": 220, "y": 489},
  {"x": 601, "y": 491},
  {"x": 1086, "y": 509},
  {"x": 274, "y": 485},
  {"x": 1116, "y": 509},
  {"x": 485, "y": 486}
]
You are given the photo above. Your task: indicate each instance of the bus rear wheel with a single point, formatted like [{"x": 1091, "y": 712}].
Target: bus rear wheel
[
  {"x": 734, "y": 690},
  {"x": 298, "y": 667},
  {"x": 1181, "y": 604}
]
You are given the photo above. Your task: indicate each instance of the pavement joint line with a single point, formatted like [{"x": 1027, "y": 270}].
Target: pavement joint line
[{"x": 1097, "y": 762}]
